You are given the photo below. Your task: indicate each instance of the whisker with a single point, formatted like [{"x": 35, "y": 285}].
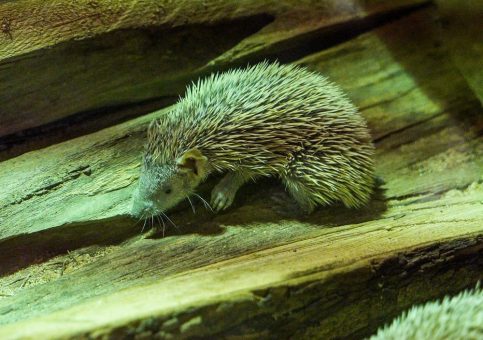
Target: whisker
[
  {"x": 170, "y": 221},
  {"x": 192, "y": 206},
  {"x": 158, "y": 218},
  {"x": 162, "y": 221},
  {"x": 206, "y": 204},
  {"x": 144, "y": 225},
  {"x": 136, "y": 223},
  {"x": 139, "y": 218}
]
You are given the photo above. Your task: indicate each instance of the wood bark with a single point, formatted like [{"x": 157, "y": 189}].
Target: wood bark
[{"x": 249, "y": 271}]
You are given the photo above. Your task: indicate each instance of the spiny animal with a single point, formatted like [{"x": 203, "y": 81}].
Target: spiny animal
[
  {"x": 264, "y": 120},
  {"x": 456, "y": 318}
]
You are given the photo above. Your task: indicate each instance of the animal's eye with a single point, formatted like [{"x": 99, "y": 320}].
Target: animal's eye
[{"x": 167, "y": 191}]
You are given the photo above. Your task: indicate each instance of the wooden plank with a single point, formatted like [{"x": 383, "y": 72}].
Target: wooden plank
[
  {"x": 331, "y": 274},
  {"x": 59, "y": 58}
]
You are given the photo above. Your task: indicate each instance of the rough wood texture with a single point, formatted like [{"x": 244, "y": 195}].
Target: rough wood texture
[
  {"x": 462, "y": 36},
  {"x": 54, "y": 54},
  {"x": 250, "y": 271}
]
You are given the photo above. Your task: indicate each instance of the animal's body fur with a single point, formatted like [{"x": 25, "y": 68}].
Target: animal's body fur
[{"x": 272, "y": 120}]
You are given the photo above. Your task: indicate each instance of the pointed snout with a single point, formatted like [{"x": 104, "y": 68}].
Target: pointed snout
[{"x": 142, "y": 208}]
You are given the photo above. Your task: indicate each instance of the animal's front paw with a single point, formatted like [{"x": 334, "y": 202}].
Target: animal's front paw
[{"x": 222, "y": 197}]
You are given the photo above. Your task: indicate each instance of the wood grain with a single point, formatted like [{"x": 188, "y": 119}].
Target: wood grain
[
  {"x": 59, "y": 58},
  {"x": 249, "y": 271},
  {"x": 463, "y": 39}
]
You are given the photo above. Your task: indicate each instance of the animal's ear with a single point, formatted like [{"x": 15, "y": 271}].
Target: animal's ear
[{"x": 192, "y": 160}]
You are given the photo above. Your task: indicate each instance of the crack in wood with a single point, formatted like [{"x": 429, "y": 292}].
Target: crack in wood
[
  {"x": 327, "y": 37},
  {"x": 70, "y": 176},
  {"x": 430, "y": 195},
  {"x": 407, "y": 127}
]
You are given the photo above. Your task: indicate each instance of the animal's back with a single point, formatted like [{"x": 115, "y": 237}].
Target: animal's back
[{"x": 263, "y": 92}]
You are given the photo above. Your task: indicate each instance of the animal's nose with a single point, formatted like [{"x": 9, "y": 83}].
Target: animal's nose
[
  {"x": 141, "y": 208},
  {"x": 149, "y": 208}
]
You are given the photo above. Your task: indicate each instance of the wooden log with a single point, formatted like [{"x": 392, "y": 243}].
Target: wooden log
[
  {"x": 328, "y": 284},
  {"x": 59, "y": 58},
  {"x": 249, "y": 271}
]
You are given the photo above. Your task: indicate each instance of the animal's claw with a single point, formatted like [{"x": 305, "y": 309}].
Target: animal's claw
[{"x": 221, "y": 198}]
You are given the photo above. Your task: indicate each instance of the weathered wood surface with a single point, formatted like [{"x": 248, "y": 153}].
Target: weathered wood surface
[
  {"x": 57, "y": 57},
  {"x": 461, "y": 29},
  {"x": 249, "y": 271}
]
